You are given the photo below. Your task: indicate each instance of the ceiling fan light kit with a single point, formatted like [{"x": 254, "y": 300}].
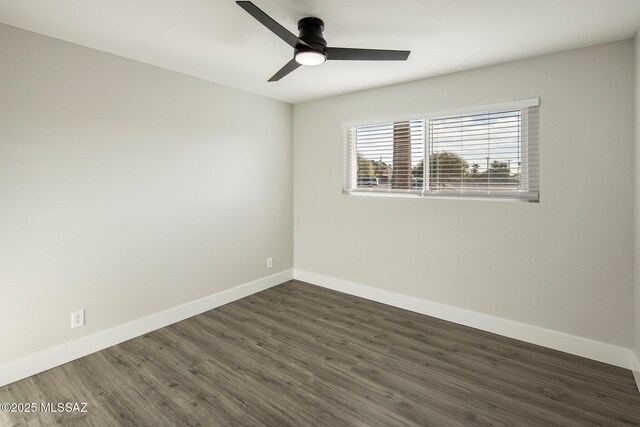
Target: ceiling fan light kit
[
  {"x": 310, "y": 47},
  {"x": 310, "y": 58}
]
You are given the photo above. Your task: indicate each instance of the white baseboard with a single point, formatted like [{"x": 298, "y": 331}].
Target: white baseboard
[
  {"x": 556, "y": 340},
  {"x": 61, "y": 354},
  {"x": 636, "y": 369}
]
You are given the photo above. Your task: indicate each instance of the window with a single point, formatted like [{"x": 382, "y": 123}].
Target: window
[{"x": 489, "y": 151}]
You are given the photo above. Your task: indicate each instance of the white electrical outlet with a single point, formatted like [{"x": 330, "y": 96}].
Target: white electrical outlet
[
  {"x": 269, "y": 262},
  {"x": 77, "y": 319}
]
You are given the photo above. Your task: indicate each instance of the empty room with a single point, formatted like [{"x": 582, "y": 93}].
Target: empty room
[{"x": 319, "y": 213}]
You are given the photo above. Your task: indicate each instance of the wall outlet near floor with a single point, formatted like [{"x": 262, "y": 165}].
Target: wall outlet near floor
[
  {"x": 77, "y": 319},
  {"x": 269, "y": 262}
]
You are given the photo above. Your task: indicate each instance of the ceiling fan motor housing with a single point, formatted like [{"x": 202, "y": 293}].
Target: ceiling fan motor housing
[{"x": 311, "y": 33}]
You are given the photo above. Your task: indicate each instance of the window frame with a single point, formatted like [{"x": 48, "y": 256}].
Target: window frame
[{"x": 524, "y": 105}]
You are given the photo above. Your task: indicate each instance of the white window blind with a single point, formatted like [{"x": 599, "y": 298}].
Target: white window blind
[{"x": 481, "y": 152}]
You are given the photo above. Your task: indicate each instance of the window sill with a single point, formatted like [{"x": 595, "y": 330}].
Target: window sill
[{"x": 520, "y": 197}]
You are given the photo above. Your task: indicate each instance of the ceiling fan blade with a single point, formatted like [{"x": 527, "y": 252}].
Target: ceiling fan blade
[
  {"x": 289, "y": 67},
  {"x": 349, "y": 54},
  {"x": 268, "y": 22}
]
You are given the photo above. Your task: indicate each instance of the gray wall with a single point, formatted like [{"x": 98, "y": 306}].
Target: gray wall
[
  {"x": 564, "y": 264},
  {"x": 636, "y": 320},
  {"x": 126, "y": 189}
]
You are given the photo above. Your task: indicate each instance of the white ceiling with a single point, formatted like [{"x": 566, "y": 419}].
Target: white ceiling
[{"x": 218, "y": 41}]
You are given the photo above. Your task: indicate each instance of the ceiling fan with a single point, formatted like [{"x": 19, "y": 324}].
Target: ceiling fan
[{"x": 310, "y": 48}]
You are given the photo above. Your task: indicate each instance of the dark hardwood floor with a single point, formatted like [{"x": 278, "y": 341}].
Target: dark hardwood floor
[{"x": 299, "y": 355}]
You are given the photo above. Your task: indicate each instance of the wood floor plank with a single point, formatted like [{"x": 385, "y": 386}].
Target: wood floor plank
[
  {"x": 496, "y": 348},
  {"x": 460, "y": 397},
  {"x": 297, "y": 355}
]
